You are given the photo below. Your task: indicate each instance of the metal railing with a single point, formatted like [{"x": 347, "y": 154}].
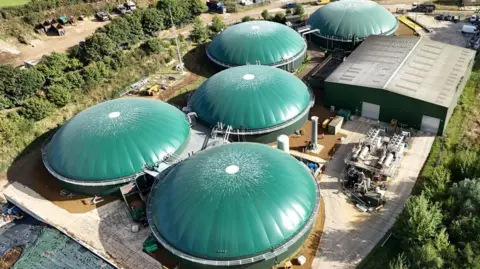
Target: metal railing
[{"x": 275, "y": 127}]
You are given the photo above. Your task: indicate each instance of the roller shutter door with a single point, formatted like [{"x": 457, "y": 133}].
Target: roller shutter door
[
  {"x": 430, "y": 125},
  {"x": 370, "y": 111}
]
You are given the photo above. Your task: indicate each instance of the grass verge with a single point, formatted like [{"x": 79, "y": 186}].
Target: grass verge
[{"x": 12, "y": 3}]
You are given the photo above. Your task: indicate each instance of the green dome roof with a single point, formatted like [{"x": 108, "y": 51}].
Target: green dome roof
[
  {"x": 343, "y": 19},
  {"x": 233, "y": 201},
  {"x": 116, "y": 139},
  {"x": 251, "y": 97},
  {"x": 269, "y": 43}
]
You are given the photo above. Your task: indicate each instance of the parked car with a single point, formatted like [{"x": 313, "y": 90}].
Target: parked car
[
  {"x": 474, "y": 18},
  {"x": 469, "y": 29},
  {"x": 290, "y": 5}
]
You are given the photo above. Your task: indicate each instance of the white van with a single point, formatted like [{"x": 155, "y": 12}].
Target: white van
[
  {"x": 469, "y": 29},
  {"x": 474, "y": 18}
]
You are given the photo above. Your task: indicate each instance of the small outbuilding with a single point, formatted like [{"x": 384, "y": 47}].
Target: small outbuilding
[{"x": 413, "y": 81}]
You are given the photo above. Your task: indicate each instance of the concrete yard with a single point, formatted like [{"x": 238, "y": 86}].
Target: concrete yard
[
  {"x": 442, "y": 31},
  {"x": 349, "y": 235}
]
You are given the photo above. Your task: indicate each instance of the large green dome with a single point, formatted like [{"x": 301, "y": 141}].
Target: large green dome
[
  {"x": 116, "y": 139},
  {"x": 263, "y": 42},
  {"x": 347, "y": 18},
  {"x": 251, "y": 97},
  {"x": 230, "y": 202}
]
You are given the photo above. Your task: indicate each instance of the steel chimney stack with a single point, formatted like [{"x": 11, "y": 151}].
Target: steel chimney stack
[{"x": 314, "y": 133}]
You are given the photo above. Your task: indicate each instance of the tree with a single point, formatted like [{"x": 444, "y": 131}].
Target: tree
[
  {"x": 98, "y": 46},
  {"x": 299, "y": 10},
  {"x": 419, "y": 221},
  {"x": 58, "y": 95},
  {"x": 153, "y": 46},
  {"x": 280, "y": 18},
  {"x": 136, "y": 29},
  {"x": 400, "y": 262},
  {"x": 37, "y": 108},
  {"x": 288, "y": 12},
  {"x": 58, "y": 61},
  {"x": 466, "y": 163},
  {"x": 8, "y": 80},
  {"x": 247, "y": 18},
  {"x": 199, "y": 32},
  {"x": 152, "y": 21},
  {"x": 436, "y": 185},
  {"x": 466, "y": 195},
  {"x": 118, "y": 31},
  {"x": 426, "y": 256},
  {"x": 28, "y": 81},
  {"x": 217, "y": 24},
  {"x": 76, "y": 80},
  {"x": 265, "y": 15},
  {"x": 183, "y": 11},
  {"x": 5, "y": 103},
  {"x": 92, "y": 74}
]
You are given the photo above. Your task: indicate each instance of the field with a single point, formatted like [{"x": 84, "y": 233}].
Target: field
[{"x": 11, "y": 3}]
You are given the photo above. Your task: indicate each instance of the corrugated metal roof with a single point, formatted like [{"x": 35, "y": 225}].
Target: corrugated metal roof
[{"x": 416, "y": 67}]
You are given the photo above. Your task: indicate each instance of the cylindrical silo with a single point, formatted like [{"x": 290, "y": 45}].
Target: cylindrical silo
[{"x": 283, "y": 143}]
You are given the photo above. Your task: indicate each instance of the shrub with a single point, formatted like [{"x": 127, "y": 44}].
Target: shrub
[
  {"x": 153, "y": 46},
  {"x": 419, "y": 221},
  {"x": 37, "y": 108},
  {"x": 58, "y": 95},
  {"x": 5, "y": 103}
]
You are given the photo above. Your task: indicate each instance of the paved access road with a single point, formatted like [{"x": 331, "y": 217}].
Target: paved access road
[{"x": 349, "y": 235}]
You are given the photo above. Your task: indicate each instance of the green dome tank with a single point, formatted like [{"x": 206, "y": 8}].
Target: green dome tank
[
  {"x": 257, "y": 42},
  {"x": 111, "y": 142},
  {"x": 252, "y": 98},
  {"x": 235, "y": 204}
]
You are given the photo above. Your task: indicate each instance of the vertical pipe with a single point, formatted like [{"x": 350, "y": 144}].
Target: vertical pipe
[{"x": 314, "y": 132}]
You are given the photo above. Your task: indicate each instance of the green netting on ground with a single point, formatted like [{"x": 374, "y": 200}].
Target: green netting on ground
[{"x": 54, "y": 250}]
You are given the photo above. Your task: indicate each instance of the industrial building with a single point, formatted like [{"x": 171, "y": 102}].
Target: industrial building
[
  {"x": 258, "y": 42},
  {"x": 109, "y": 144},
  {"x": 345, "y": 24},
  {"x": 410, "y": 81},
  {"x": 253, "y": 103},
  {"x": 240, "y": 205}
]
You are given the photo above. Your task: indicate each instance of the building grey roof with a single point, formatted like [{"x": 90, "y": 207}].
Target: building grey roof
[{"x": 416, "y": 67}]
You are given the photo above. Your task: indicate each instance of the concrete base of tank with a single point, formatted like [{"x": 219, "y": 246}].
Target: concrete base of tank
[
  {"x": 270, "y": 136},
  {"x": 264, "y": 264},
  {"x": 106, "y": 189},
  {"x": 328, "y": 44}
]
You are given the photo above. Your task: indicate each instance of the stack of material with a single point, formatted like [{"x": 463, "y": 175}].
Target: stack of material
[{"x": 335, "y": 125}]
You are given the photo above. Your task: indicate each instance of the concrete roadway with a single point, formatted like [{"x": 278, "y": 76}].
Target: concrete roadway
[{"x": 349, "y": 235}]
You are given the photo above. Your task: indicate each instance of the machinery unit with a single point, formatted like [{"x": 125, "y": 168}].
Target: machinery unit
[{"x": 371, "y": 163}]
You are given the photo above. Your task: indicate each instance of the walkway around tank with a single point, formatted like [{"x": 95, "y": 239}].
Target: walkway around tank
[
  {"x": 350, "y": 235},
  {"x": 104, "y": 231}
]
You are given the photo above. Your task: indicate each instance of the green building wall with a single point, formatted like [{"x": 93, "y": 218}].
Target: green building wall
[{"x": 404, "y": 109}]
